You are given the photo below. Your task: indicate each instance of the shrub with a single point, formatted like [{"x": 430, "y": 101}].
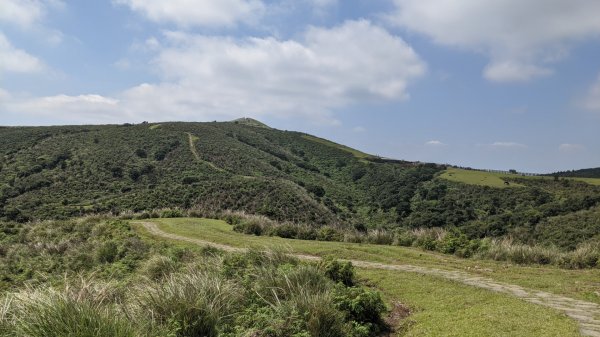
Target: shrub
[
  {"x": 286, "y": 231},
  {"x": 362, "y": 306},
  {"x": 252, "y": 227},
  {"x": 329, "y": 234},
  {"x": 306, "y": 233},
  {"x": 171, "y": 213},
  {"x": 404, "y": 238},
  {"x": 340, "y": 272},
  {"x": 190, "y": 180},
  {"x": 107, "y": 252}
]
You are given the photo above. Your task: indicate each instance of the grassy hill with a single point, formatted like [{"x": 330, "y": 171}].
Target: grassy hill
[{"x": 244, "y": 165}]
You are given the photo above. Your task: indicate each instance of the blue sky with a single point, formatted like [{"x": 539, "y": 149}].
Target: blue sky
[{"x": 484, "y": 83}]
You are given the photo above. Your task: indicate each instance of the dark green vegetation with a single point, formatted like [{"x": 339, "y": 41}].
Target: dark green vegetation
[
  {"x": 584, "y": 173},
  {"x": 97, "y": 277},
  {"x": 290, "y": 177}
]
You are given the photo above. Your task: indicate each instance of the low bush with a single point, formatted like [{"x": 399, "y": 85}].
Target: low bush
[
  {"x": 341, "y": 272},
  {"x": 172, "y": 213},
  {"x": 329, "y": 234}
]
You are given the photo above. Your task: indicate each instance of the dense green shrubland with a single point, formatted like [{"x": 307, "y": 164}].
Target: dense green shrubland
[
  {"x": 63, "y": 172},
  {"x": 160, "y": 290}
]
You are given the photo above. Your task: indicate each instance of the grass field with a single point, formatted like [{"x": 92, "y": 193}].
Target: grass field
[
  {"x": 491, "y": 179},
  {"x": 437, "y": 302},
  {"x": 581, "y": 284},
  {"x": 445, "y": 308}
]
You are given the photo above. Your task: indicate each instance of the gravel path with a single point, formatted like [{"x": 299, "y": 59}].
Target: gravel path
[{"x": 587, "y": 314}]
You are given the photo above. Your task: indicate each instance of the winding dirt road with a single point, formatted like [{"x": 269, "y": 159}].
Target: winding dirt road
[{"x": 587, "y": 314}]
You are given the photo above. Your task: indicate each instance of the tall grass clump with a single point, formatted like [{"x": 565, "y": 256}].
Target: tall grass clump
[
  {"x": 159, "y": 266},
  {"x": 507, "y": 250},
  {"x": 82, "y": 311},
  {"x": 194, "y": 303},
  {"x": 587, "y": 255}
]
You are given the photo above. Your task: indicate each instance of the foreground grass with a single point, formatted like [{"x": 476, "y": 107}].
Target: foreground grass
[
  {"x": 439, "y": 307},
  {"x": 445, "y": 308},
  {"x": 580, "y": 284},
  {"x": 491, "y": 179}
]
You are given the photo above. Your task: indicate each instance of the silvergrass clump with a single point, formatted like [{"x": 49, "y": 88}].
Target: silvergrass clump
[
  {"x": 158, "y": 267},
  {"x": 507, "y": 250},
  {"x": 587, "y": 255},
  {"x": 83, "y": 309},
  {"x": 276, "y": 285},
  {"x": 194, "y": 303},
  {"x": 380, "y": 237}
]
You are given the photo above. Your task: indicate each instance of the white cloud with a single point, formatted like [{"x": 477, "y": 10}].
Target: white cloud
[
  {"x": 359, "y": 129},
  {"x": 189, "y": 13},
  {"x": 435, "y": 143},
  {"x": 592, "y": 99},
  {"x": 68, "y": 109},
  {"x": 508, "y": 145},
  {"x": 570, "y": 148},
  {"x": 21, "y": 12},
  {"x": 16, "y": 60},
  {"x": 522, "y": 38},
  {"x": 219, "y": 78}
]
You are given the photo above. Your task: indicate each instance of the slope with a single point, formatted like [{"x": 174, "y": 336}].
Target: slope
[{"x": 69, "y": 171}]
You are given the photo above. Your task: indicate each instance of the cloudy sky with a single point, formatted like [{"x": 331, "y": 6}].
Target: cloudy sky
[{"x": 483, "y": 83}]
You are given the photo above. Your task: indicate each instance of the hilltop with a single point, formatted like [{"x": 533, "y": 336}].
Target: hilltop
[{"x": 244, "y": 165}]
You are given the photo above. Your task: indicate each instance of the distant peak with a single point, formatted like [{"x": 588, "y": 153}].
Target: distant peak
[{"x": 251, "y": 122}]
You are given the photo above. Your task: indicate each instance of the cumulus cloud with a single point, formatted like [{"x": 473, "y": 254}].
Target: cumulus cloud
[
  {"x": 592, "y": 99},
  {"x": 522, "y": 38},
  {"x": 186, "y": 13},
  {"x": 435, "y": 143},
  {"x": 206, "y": 77},
  {"x": 16, "y": 60},
  {"x": 23, "y": 13}
]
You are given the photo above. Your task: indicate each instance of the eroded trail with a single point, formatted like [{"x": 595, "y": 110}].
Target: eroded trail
[{"x": 587, "y": 314}]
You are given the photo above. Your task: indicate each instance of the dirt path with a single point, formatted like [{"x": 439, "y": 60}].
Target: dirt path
[
  {"x": 192, "y": 139},
  {"x": 587, "y": 314}
]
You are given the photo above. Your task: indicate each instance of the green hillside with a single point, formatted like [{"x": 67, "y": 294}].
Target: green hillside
[
  {"x": 584, "y": 173},
  {"x": 69, "y": 171}
]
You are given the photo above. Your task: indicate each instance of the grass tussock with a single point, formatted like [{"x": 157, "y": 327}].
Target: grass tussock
[
  {"x": 87, "y": 308},
  {"x": 586, "y": 255},
  {"x": 257, "y": 293}
]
